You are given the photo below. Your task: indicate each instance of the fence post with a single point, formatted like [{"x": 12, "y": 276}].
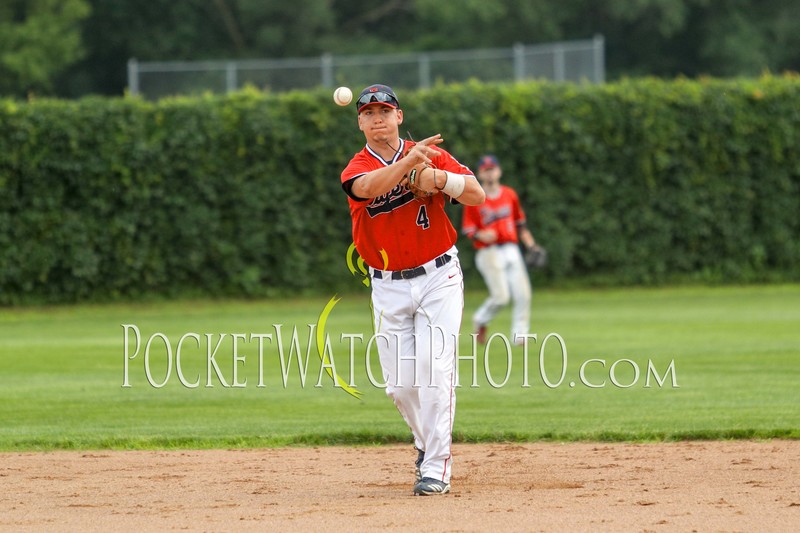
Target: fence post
[
  {"x": 558, "y": 62},
  {"x": 424, "y": 71},
  {"x": 599, "y": 59},
  {"x": 326, "y": 64},
  {"x": 230, "y": 76},
  {"x": 519, "y": 61},
  {"x": 133, "y": 76}
]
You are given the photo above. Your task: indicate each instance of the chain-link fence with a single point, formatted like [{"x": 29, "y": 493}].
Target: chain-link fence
[{"x": 574, "y": 61}]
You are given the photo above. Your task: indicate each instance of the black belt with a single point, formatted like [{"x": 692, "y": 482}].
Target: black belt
[{"x": 412, "y": 273}]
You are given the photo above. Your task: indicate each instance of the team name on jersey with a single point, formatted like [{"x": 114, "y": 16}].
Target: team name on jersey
[
  {"x": 489, "y": 215},
  {"x": 394, "y": 199}
]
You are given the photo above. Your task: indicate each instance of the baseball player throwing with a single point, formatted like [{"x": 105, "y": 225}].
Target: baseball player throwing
[
  {"x": 397, "y": 190},
  {"x": 496, "y": 228}
]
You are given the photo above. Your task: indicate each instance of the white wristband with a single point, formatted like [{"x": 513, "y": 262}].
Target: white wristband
[{"x": 454, "y": 187}]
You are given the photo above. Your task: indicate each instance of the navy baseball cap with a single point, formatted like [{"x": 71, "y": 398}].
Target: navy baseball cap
[
  {"x": 377, "y": 94},
  {"x": 488, "y": 161}
]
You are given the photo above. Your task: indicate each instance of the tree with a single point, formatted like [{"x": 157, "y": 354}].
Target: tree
[
  {"x": 746, "y": 38},
  {"x": 38, "y": 40},
  {"x": 166, "y": 30}
]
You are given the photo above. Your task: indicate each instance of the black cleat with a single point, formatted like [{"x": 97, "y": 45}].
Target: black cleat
[{"x": 428, "y": 486}]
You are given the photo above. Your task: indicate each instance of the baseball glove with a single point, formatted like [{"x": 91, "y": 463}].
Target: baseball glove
[
  {"x": 536, "y": 257},
  {"x": 412, "y": 183}
]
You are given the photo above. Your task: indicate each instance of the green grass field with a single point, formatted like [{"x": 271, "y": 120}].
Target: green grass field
[{"x": 733, "y": 352}]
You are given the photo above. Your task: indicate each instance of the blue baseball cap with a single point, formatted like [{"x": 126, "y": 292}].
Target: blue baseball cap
[{"x": 488, "y": 161}]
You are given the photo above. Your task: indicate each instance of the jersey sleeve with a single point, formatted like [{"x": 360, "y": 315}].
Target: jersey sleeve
[
  {"x": 355, "y": 169},
  {"x": 518, "y": 213}
]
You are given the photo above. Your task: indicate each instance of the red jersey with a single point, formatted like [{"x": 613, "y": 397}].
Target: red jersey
[
  {"x": 502, "y": 214},
  {"x": 397, "y": 231}
]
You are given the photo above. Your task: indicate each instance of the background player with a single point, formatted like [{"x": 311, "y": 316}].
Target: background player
[
  {"x": 496, "y": 228},
  {"x": 417, "y": 285}
]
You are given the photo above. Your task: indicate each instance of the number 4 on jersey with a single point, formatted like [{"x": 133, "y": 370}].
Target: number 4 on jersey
[{"x": 422, "y": 218}]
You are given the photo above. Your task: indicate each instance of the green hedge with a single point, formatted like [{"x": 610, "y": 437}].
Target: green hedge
[{"x": 637, "y": 182}]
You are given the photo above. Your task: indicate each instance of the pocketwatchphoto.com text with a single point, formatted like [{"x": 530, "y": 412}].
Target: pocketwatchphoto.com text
[{"x": 287, "y": 358}]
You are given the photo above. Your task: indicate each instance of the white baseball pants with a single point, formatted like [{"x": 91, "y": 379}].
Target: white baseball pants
[
  {"x": 417, "y": 322},
  {"x": 503, "y": 269}
]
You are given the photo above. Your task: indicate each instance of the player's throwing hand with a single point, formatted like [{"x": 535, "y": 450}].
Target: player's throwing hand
[{"x": 422, "y": 153}]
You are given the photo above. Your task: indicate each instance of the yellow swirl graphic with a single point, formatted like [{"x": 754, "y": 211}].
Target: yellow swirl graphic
[
  {"x": 323, "y": 318},
  {"x": 362, "y": 267}
]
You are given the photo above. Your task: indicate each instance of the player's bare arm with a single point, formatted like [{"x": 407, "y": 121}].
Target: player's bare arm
[{"x": 526, "y": 237}]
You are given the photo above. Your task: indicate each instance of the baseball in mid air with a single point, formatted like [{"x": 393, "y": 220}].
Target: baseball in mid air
[{"x": 343, "y": 96}]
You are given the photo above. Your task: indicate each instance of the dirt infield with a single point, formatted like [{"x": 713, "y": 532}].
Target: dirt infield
[{"x": 688, "y": 486}]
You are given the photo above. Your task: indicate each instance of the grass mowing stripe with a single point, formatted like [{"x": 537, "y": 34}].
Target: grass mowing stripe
[{"x": 734, "y": 352}]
